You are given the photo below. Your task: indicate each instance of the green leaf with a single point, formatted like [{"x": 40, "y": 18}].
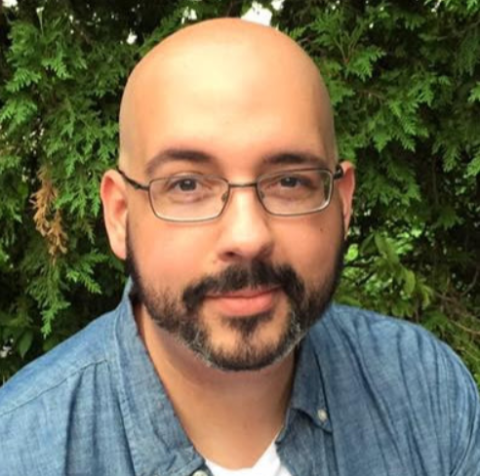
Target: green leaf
[
  {"x": 25, "y": 343},
  {"x": 473, "y": 168},
  {"x": 386, "y": 249},
  {"x": 474, "y": 93},
  {"x": 410, "y": 281}
]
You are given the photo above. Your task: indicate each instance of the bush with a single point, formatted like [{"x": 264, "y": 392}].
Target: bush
[{"x": 404, "y": 80}]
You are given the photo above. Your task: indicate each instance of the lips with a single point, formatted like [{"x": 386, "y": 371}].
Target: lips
[{"x": 245, "y": 301}]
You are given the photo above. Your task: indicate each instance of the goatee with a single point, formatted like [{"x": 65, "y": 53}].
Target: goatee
[{"x": 182, "y": 316}]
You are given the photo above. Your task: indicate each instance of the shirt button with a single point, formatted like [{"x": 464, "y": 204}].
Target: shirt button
[
  {"x": 200, "y": 472},
  {"x": 322, "y": 415}
]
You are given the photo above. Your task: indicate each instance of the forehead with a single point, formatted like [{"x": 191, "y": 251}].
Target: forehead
[{"x": 228, "y": 102}]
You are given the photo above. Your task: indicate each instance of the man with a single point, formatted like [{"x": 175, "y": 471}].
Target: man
[{"x": 231, "y": 208}]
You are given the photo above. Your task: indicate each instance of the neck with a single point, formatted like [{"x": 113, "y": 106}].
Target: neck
[{"x": 230, "y": 417}]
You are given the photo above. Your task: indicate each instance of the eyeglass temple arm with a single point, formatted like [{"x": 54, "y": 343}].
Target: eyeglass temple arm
[
  {"x": 339, "y": 173},
  {"x": 136, "y": 185}
]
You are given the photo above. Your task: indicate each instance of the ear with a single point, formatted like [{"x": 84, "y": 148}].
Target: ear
[
  {"x": 345, "y": 188},
  {"x": 115, "y": 210}
]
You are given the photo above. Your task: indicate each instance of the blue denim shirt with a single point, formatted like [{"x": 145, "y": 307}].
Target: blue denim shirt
[{"x": 372, "y": 396}]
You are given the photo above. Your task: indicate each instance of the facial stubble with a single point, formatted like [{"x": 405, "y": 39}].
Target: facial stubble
[{"x": 182, "y": 316}]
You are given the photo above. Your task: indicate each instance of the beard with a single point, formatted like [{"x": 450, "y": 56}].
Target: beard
[{"x": 181, "y": 316}]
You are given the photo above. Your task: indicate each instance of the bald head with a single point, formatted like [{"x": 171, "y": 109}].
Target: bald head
[{"x": 225, "y": 64}]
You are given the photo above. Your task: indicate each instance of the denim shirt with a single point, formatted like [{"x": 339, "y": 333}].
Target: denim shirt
[{"x": 372, "y": 396}]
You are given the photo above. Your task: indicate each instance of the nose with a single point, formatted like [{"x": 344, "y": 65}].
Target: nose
[{"x": 245, "y": 228}]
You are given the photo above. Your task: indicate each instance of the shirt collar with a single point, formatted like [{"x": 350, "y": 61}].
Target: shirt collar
[
  {"x": 156, "y": 438},
  {"x": 308, "y": 394}
]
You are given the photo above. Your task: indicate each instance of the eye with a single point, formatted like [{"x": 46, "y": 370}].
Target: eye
[
  {"x": 185, "y": 184},
  {"x": 290, "y": 181},
  {"x": 189, "y": 188},
  {"x": 291, "y": 185},
  {"x": 294, "y": 181}
]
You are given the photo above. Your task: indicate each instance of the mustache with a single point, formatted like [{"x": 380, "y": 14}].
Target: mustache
[{"x": 237, "y": 277}]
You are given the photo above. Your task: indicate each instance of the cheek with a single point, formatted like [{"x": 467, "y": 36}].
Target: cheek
[
  {"x": 313, "y": 244},
  {"x": 169, "y": 255}
]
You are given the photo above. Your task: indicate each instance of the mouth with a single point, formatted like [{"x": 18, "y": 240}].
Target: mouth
[{"x": 245, "y": 302}]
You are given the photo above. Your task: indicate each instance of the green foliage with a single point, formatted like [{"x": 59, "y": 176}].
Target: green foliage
[{"x": 405, "y": 85}]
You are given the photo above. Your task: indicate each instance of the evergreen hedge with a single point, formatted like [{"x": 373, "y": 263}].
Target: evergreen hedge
[{"x": 405, "y": 84}]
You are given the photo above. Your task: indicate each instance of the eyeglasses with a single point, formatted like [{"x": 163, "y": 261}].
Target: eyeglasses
[{"x": 197, "y": 197}]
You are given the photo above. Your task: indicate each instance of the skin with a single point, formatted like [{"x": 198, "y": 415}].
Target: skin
[{"x": 239, "y": 93}]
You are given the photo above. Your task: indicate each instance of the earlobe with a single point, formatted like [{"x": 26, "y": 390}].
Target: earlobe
[
  {"x": 346, "y": 188},
  {"x": 112, "y": 192}
]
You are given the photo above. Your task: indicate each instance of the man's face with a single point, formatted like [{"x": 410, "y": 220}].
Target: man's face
[{"x": 239, "y": 291}]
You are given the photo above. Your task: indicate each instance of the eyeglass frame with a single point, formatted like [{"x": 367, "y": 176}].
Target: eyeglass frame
[{"x": 337, "y": 174}]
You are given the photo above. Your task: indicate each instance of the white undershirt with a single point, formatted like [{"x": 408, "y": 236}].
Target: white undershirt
[{"x": 269, "y": 464}]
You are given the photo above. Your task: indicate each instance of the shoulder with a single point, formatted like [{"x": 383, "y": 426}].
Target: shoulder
[
  {"x": 404, "y": 375},
  {"x": 84, "y": 352},
  {"x": 389, "y": 347},
  {"x": 62, "y": 394},
  {"x": 374, "y": 335}
]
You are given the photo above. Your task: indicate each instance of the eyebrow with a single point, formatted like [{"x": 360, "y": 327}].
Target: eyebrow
[
  {"x": 201, "y": 157},
  {"x": 177, "y": 155},
  {"x": 296, "y": 158}
]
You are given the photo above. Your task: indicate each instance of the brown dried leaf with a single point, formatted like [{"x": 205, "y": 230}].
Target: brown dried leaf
[{"x": 50, "y": 227}]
